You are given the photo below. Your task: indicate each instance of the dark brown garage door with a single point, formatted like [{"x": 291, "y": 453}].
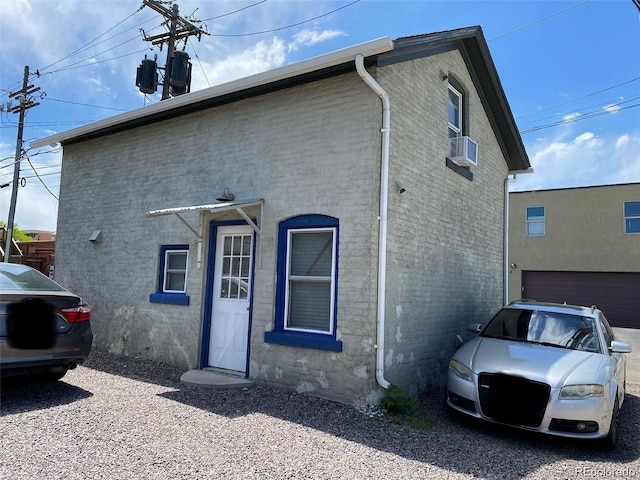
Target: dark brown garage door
[{"x": 616, "y": 294}]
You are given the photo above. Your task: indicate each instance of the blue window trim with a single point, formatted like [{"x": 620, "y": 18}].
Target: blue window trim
[
  {"x": 279, "y": 335},
  {"x": 163, "y": 297}
]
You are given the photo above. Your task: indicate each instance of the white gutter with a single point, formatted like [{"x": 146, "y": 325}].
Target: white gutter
[
  {"x": 505, "y": 260},
  {"x": 373, "y": 47},
  {"x": 382, "y": 236}
]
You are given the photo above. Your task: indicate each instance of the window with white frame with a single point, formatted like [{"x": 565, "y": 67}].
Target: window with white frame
[
  {"x": 310, "y": 280},
  {"x": 307, "y": 283},
  {"x": 632, "y": 217},
  {"x": 175, "y": 271},
  {"x": 455, "y": 106},
  {"x": 172, "y": 275},
  {"x": 535, "y": 221}
]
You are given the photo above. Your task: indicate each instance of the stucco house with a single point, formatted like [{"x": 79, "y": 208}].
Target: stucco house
[
  {"x": 578, "y": 245},
  {"x": 329, "y": 226}
]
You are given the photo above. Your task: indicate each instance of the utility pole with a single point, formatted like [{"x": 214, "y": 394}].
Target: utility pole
[
  {"x": 179, "y": 29},
  {"x": 24, "y": 103}
]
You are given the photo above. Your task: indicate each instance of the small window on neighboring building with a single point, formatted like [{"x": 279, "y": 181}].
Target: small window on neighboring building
[
  {"x": 632, "y": 217},
  {"x": 172, "y": 275},
  {"x": 535, "y": 221},
  {"x": 306, "y": 283}
]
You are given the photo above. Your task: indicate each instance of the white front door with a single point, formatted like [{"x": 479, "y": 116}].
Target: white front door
[{"x": 229, "y": 338}]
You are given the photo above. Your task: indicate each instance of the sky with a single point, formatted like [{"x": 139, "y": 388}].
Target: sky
[{"x": 570, "y": 71}]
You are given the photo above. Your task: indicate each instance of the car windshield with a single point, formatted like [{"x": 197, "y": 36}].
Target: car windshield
[
  {"x": 547, "y": 328},
  {"x": 15, "y": 278}
]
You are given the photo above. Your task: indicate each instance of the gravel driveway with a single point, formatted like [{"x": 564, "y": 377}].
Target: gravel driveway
[{"x": 123, "y": 418}]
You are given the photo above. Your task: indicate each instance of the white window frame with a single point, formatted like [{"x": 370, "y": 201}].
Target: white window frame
[
  {"x": 455, "y": 130},
  {"x": 168, "y": 270},
  {"x": 630, "y": 218},
  {"x": 330, "y": 280},
  {"x": 537, "y": 221}
]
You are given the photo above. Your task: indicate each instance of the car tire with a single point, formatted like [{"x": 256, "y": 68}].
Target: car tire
[
  {"x": 53, "y": 374},
  {"x": 611, "y": 439}
]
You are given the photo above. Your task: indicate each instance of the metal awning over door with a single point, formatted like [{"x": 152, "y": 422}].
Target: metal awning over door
[{"x": 238, "y": 206}]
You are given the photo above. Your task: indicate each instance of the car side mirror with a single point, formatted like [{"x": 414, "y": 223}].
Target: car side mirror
[
  {"x": 619, "y": 347},
  {"x": 475, "y": 327}
]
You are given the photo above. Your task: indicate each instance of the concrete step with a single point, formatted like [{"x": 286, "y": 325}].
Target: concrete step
[{"x": 207, "y": 378}]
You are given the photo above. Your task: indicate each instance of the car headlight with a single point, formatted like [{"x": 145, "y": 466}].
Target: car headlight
[
  {"x": 576, "y": 392},
  {"x": 460, "y": 370}
]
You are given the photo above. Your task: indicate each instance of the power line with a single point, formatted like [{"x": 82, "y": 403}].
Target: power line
[
  {"x": 92, "y": 41},
  {"x": 538, "y": 21},
  {"x": 600, "y": 106},
  {"x": 579, "y": 98},
  {"x": 37, "y": 175},
  {"x": 287, "y": 26},
  {"x": 235, "y": 11},
  {"x": 204, "y": 73},
  {"x": 575, "y": 119},
  {"x": 84, "y": 104}
]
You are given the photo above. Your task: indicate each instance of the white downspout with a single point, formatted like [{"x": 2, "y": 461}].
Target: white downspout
[
  {"x": 382, "y": 236},
  {"x": 505, "y": 261},
  {"x": 505, "y": 249}
]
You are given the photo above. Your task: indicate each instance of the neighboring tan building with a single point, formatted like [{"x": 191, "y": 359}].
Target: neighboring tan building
[
  {"x": 310, "y": 226},
  {"x": 579, "y": 245}
]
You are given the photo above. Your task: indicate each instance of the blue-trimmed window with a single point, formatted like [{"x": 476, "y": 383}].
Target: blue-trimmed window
[
  {"x": 306, "y": 290},
  {"x": 172, "y": 275},
  {"x": 632, "y": 217},
  {"x": 535, "y": 222}
]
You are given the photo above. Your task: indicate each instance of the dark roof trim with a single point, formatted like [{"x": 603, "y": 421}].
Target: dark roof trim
[
  {"x": 470, "y": 41},
  {"x": 475, "y": 51},
  {"x": 583, "y": 187}
]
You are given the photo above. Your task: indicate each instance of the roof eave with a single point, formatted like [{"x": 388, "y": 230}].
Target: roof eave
[{"x": 307, "y": 67}]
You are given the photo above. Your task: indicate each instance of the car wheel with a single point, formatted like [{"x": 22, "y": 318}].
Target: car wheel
[
  {"x": 53, "y": 374},
  {"x": 612, "y": 437}
]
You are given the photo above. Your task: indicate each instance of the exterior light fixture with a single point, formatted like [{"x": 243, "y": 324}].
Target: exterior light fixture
[{"x": 226, "y": 196}]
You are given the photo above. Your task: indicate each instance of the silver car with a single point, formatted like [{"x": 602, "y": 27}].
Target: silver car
[
  {"x": 549, "y": 368},
  {"x": 44, "y": 328}
]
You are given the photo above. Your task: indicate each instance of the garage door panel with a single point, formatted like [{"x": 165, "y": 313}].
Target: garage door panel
[{"x": 617, "y": 294}]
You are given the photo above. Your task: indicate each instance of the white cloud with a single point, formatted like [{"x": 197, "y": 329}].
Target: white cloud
[
  {"x": 264, "y": 55},
  {"x": 307, "y": 38},
  {"x": 570, "y": 117},
  {"x": 622, "y": 141},
  {"x": 582, "y": 160},
  {"x": 611, "y": 108}
]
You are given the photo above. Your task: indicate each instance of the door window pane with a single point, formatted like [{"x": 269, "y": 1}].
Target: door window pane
[{"x": 234, "y": 281}]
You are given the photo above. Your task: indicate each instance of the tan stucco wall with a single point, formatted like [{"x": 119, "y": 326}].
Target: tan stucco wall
[{"x": 584, "y": 231}]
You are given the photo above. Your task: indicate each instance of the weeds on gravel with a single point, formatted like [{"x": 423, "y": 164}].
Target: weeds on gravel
[
  {"x": 172, "y": 378},
  {"x": 402, "y": 409},
  {"x": 398, "y": 401}
]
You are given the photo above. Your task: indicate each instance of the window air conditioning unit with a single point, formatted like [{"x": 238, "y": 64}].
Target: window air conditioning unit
[{"x": 463, "y": 151}]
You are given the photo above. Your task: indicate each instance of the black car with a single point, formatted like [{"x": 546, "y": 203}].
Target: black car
[{"x": 44, "y": 328}]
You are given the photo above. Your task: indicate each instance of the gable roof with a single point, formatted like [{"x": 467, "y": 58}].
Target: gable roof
[
  {"x": 472, "y": 45},
  {"x": 383, "y": 51}
]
